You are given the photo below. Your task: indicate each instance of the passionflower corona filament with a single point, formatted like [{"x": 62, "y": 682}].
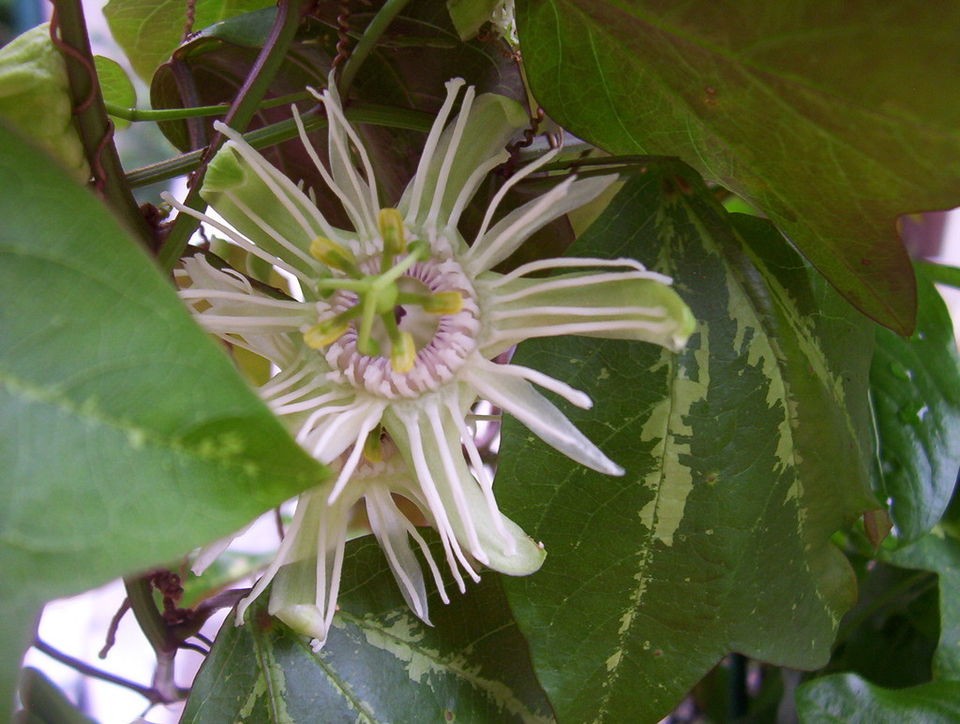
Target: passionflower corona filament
[{"x": 399, "y": 321}]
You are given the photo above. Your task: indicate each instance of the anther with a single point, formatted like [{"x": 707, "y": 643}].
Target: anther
[{"x": 334, "y": 256}]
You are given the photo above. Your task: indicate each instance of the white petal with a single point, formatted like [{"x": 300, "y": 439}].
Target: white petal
[
  {"x": 495, "y": 245},
  {"x": 520, "y": 399}
]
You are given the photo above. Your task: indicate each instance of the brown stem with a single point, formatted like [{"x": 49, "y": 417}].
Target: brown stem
[
  {"x": 68, "y": 31},
  {"x": 149, "y": 693}
]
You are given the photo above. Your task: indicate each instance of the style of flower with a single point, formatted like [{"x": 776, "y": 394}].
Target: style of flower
[{"x": 399, "y": 320}]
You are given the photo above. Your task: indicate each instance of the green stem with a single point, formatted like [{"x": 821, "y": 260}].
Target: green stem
[
  {"x": 283, "y": 131},
  {"x": 244, "y": 107},
  {"x": 939, "y": 273},
  {"x": 381, "y": 21},
  {"x": 96, "y": 130},
  {"x": 135, "y": 115},
  {"x": 140, "y": 595}
]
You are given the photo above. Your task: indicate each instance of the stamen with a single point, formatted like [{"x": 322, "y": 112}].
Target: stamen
[
  {"x": 403, "y": 353},
  {"x": 334, "y": 256},
  {"x": 394, "y": 238},
  {"x": 328, "y": 331}
]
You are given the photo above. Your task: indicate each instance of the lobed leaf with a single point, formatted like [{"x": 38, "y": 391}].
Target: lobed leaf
[
  {"x": 831, "y": 120},
  {"x": 126, "y": 437},
  {"x": 717, "y": 539}
]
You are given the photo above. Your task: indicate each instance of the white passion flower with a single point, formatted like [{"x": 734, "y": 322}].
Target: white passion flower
[{"x": 400, "y": 320}]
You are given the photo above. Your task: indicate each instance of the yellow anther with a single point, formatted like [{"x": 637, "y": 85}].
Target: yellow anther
[
  {"x": 326, "y": 332},
  {"x": 391, "y": 229},
  {"x": 443, "y": 303},
  {"x": 403, "y": 353},
  {"x": 372, "y": 450},
  {"x": 333, "y": 255}
]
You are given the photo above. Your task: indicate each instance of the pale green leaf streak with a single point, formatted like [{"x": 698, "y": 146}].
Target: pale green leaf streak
[
  {"x": 402, "y": 635},
  {"x": 379, "y": 663},
  {"x": 718, "y": 537}
]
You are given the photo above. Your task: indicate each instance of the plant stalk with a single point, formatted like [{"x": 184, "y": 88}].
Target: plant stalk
[
  {"x": 242, "y": 110},
  {"x": 68, "y": 29}
]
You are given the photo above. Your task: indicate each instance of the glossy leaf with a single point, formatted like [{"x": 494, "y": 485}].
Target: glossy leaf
[
  {"x": 849, "y": 699},
  {"x": 150, "y": 30},
  {"x": 915, "y": 386},
  {"x": 379, "y": 664},
  {"x": 717, "y": 538},
  {"x": 939, "y": 552},
  {"x": 126, "y": 436},
  {"x": 831, "y": 120}
]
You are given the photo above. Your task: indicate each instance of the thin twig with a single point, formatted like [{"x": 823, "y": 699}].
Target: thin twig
[
  {"x": 112, "y": 630},
  {"x": 147, "y": 692}
]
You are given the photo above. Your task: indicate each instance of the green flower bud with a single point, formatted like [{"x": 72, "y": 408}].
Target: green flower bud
[{"x": 34, "y": 98}]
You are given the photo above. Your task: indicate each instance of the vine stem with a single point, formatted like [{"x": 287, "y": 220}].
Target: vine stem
[
  {"x": 313, "y": 120},
  {"x": 136, "y": 115},
  {"x": 381, "y": 21},
  {"x": 68, "y": 30},
  {"x": 238, "y": 117}
]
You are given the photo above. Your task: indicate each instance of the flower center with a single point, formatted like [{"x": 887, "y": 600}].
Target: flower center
[{"x": 402, "y": 323}]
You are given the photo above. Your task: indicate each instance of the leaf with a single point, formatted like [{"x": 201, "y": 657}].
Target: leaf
[
  {"x": 850, "y": 699},
  {"x": 940, "y": 553},
  {"x": 832, "y": 121},
  {"x": 211, "y": 67},
  {"x": 379, "y": 664},
  {"x": 150, "y": 30},
  {"x": 717, "y": 537},
  {"x": 126, "y": 436},
  {"x": 915, "y": 386},
  {"x": 115, "y": 86},
  {"x": 44, "y": 703},
  {"x": 469, "y": 15}
]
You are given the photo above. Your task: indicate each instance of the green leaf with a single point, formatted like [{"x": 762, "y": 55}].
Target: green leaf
[
  {"x": 126, "y": 436},
  {"x": 915, "y": 386},
  {"x": 717, "y": 538},
  {"x": 469, "y": 15},
  {"x": 831, "y": 120},
  {"x": 115, "y": 86},
  {"x": 939, "y": 552},
  {"x": 44, "y": 703},
  {"x": 380, "y": 663},
  {"x": 849, "y": 699},
  {"x": 150, "y": 30}
]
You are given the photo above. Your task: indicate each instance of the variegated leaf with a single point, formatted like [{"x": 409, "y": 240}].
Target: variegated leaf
[
  {"x": 743, "y": 455},
  {"x": 380, "y": 662}
]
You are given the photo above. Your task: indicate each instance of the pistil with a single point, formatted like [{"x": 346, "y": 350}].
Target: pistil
[{"x": 378, "y": 295}]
